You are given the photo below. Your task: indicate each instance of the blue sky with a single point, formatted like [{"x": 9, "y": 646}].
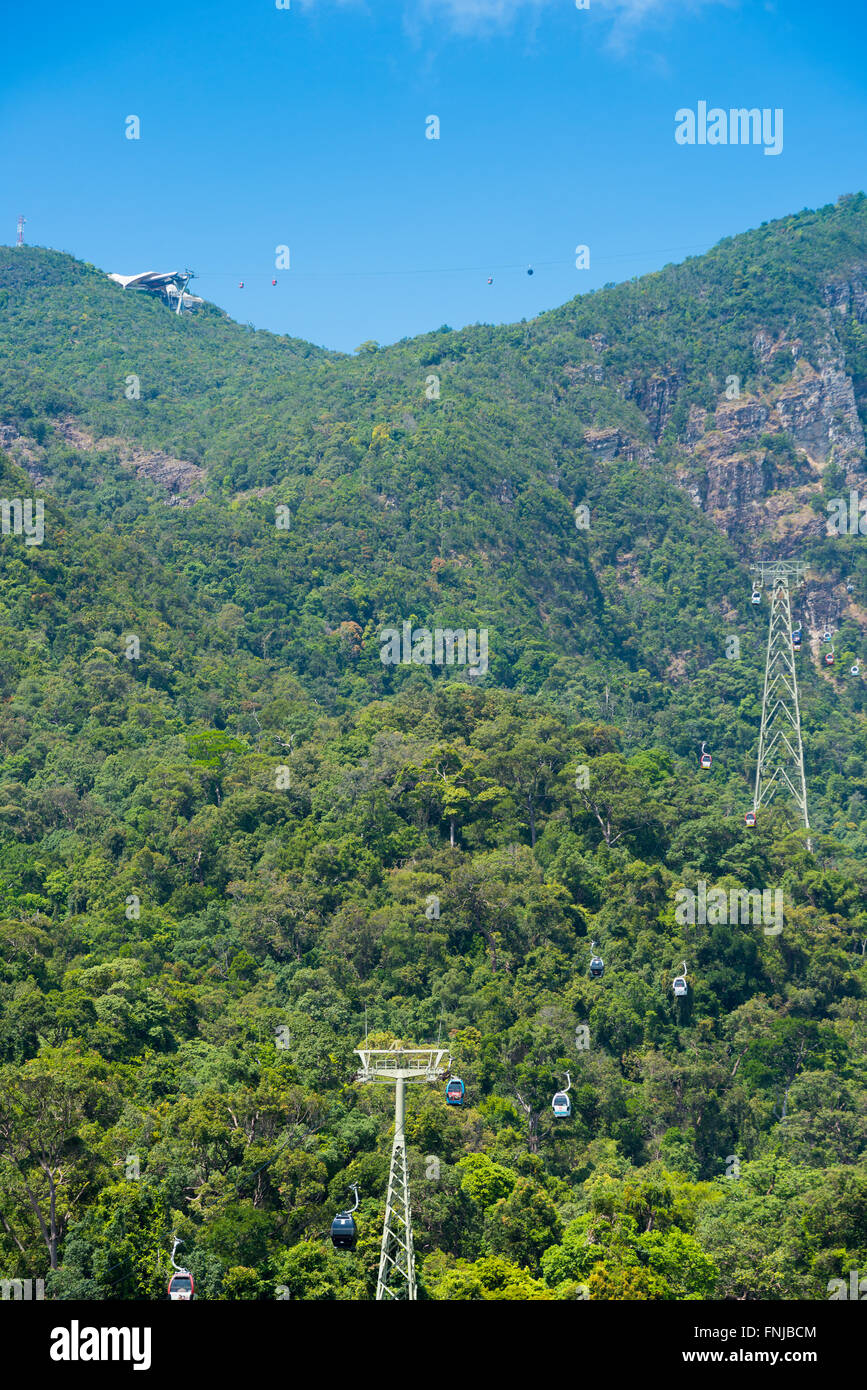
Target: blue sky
[{"x": 306, "y": 127}]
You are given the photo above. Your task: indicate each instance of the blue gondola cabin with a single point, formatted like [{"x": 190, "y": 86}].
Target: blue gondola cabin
[{"x": 455, "y": 1091}]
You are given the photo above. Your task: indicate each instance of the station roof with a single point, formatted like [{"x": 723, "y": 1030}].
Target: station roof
[{"x": 147, "y": 279}]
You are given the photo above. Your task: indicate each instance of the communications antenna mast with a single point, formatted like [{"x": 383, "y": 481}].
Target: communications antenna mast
[
  {"x": 397, "y": 1066},
  {"x": 780, "y": 763},
  {"x": 20, "y": 238}
]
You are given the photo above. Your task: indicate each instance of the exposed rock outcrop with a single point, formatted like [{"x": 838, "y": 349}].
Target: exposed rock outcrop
[
  {"x": 756, "y": 464},
  {"x": 656, "y": 397},
  {"x": 182, "y": 481}
]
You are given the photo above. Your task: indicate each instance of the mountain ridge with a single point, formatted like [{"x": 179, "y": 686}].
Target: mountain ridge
[{"x": 235, "y": 842}]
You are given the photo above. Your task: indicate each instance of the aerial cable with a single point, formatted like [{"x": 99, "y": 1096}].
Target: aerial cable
[{"x": 486, "y": 270}]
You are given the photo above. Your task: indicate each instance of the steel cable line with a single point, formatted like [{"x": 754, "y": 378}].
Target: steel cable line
[{"x": 439, "y": 270}]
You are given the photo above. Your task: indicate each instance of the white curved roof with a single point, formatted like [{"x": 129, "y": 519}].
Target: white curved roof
[{"x": 147, "y": 279}]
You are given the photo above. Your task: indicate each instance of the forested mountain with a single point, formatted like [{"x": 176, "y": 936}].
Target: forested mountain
[{"x": 234, "y": 837}]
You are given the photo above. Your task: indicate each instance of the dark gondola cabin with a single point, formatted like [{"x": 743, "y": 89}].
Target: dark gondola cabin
[
  {"x": 561, "y": 1105},
  {"x": 455, "y": 1091},
  {"x": 597, "y": 967},
  {"x": 796, "y": 640},
  {"x": 344, "y": 1232},
  {"x": 756, "y": 596},
  {"x": 181, "y": 1286}
]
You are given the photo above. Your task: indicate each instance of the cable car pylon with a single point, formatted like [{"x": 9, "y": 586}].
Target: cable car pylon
[
  {"x": 397, "y": 1066},
  {"x": 780, "y": 762}
]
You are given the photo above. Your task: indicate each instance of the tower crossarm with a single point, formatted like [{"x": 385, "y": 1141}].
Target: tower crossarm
[
  {"x": 403, "y": 1064},
  {"x": 793, "y": 572}
]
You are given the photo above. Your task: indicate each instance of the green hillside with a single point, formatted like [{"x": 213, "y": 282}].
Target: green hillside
[{"x": 233, "y": 838}]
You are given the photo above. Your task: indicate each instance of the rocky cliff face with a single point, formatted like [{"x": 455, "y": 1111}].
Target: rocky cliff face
[
  {"x": 849, "y": 296},
  {"x": 755, "y": 463},
  {"x": 656, "y": 397},
  {"x": 182, "y": 481}
]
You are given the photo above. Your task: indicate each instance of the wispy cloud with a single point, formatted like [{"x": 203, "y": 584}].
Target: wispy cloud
[
  {"x": 489, "y": 17},
  {"x": 471, "y": 15}
]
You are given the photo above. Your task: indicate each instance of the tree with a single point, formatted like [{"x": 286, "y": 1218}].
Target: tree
[
  {"x": 46, "y": 1110},
  {"x": 490, "y": 1280},
  {"x": 616, "y": 797},
  {"x": 523, "y": 1224},
  {"x": 526, "y": 757}
]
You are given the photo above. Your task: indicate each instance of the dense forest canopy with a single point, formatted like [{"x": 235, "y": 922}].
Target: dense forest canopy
[{"x": 236, "y": 841}]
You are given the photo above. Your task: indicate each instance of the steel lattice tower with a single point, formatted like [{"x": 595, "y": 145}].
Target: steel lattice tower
[
  {"x": 396, "y": 1278},
  {"x": 780, "y": 762}
]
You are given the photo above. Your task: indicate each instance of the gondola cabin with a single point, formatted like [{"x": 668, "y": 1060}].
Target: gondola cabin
[
  {"x": 344, "y": 1232},
  {"x": 750, "y": 818},
  {"x": 455, "y": 1091},
  {"x": 826, "y": 635},
  {"x": 181, "y": 1286},
  {"x": 796, "y": 640},
  {"x": 561, "y": 1105},
  {"x": 597, "y": 967},
  {"x": 705, "y": 760},
  {"x": 829, "y": 657},
  {"x": 680, "y": 987}
]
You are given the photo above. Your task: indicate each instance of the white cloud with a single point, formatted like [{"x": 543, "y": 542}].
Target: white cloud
[
  {"x": 473, "y": 14},
  {"x": 486, "y": 17}
]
